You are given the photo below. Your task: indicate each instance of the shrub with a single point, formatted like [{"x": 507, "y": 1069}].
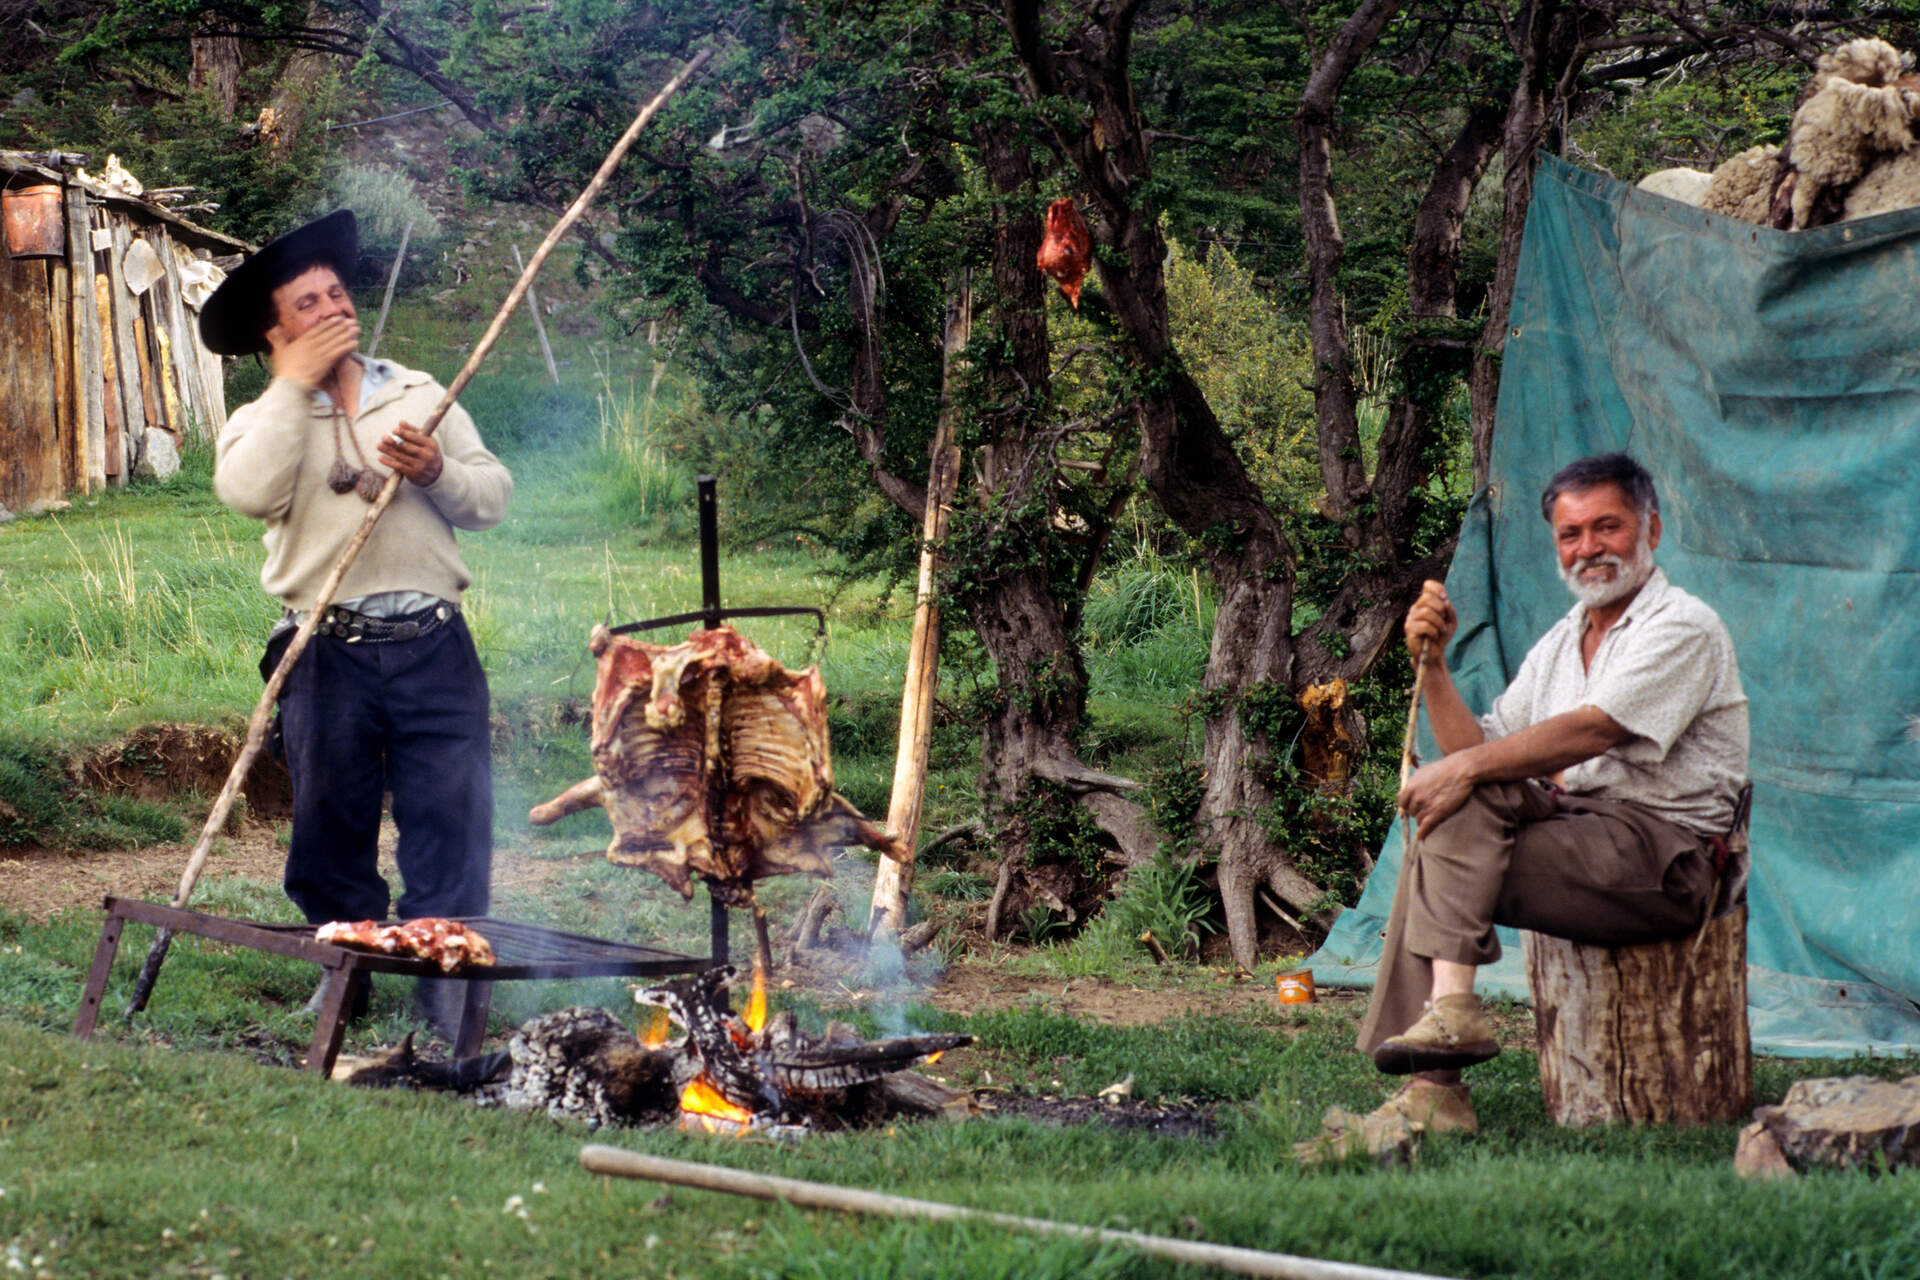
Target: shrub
[{"x": 385, "y": 203}]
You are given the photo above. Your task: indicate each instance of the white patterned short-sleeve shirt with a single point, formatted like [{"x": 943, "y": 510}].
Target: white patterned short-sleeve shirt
[{"x": 1666, "y": 673}]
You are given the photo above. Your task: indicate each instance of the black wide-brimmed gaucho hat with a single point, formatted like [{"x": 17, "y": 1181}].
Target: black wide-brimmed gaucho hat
[{"x": 236, "y": 318}]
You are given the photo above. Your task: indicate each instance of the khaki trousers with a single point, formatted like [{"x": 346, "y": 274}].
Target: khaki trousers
[{"x": 1603, "y": 872}]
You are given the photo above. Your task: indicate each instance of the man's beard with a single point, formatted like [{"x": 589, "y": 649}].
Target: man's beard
[{"x": 1631, "y": 576}]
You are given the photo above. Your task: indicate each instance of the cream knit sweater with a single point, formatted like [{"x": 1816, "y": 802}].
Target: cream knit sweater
[{"x": 272, "y": 462}]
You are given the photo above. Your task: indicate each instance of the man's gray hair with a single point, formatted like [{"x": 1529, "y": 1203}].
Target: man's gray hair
[{"x": 1604, "y": 468}]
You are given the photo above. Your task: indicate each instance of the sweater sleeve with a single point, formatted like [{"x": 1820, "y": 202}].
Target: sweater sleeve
[
  {"x": 474, "y": 485},
  {"x": 257, "y": 459}
]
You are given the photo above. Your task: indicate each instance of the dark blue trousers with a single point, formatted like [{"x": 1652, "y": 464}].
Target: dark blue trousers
[{"x": 409, "y": 717}]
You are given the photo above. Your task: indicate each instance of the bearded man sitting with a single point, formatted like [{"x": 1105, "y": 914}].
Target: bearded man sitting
[{"x": 1589, "y": 803}]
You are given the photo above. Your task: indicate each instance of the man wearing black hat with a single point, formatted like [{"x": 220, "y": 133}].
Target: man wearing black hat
[{"x": 389, "y": 695}]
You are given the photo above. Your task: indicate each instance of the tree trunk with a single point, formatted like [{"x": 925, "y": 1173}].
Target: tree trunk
[
  {"x": 1341, "y": 463},
  {"x": 1550, "y": 33},
  {"x": 1654, "y": 1034},
  {"x": 1185, "y": 458},
  {"x": 1015, "y": 557},
  {"x": 300, "y": 82},
  {"x": 216, "y": 70}
]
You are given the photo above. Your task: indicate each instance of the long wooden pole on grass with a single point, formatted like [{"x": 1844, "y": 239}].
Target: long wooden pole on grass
[
  {"x": 257, "y": 725},
  {"x": 621, "y": 1163},
  {"x": 894, "y": 879}
]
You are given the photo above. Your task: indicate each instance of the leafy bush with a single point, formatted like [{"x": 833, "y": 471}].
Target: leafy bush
[
  {"x": 384, "y": 203},
  {"x": 1171, "y": 898},
  {"x": 1256, "y": 367}
]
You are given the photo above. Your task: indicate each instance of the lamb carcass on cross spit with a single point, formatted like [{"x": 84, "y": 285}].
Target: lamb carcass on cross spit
[{"x": 712, "y": 760}]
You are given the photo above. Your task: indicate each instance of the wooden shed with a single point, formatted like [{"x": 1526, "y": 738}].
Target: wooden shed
[{"x": 99, "y": 330}]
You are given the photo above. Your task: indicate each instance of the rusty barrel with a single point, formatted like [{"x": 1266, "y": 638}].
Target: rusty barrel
[{"x": 35, "y": 219}]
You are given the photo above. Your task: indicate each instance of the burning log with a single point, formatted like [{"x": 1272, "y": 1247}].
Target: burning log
[
  {"x": 767, "y": 1067},
  {"x": 675, "y": 725},
  {"x": 732, "y": 1073}
]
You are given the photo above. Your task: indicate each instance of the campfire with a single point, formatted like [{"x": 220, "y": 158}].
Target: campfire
[
  {"x": 753, "y": 1073},
  {"x": 726, "y": 1073}
]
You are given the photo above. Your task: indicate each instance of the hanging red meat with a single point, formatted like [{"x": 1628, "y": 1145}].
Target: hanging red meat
[
  {"x": 1067, "y": 249},
  {"x": 712, "y": 759}
]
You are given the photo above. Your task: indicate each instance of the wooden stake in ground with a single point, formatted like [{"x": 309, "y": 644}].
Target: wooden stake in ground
[
  {"x": 262, "y": 712},
  {"x": 539, "y": 325},
  {"x": 386, "y": 299},
  {"x": 893, "y": 880},
  {"x": 821, "y": 1195}
]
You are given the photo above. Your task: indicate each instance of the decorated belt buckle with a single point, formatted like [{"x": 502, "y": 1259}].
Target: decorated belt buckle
[{"x": 406, "y": 630}]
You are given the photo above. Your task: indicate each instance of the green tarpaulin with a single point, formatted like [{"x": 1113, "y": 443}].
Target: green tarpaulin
[{"x": 1771, "y": 382}]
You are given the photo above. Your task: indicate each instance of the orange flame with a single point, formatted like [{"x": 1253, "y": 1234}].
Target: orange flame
[
  {"x": 935, "y": 1056},
  {"x": 703, "y": 1099},
  {"x": 756, "y": 1014},
  {"x": 654, "y": 1034}
]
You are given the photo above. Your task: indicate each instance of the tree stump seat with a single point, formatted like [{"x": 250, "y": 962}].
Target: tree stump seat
[{"x": 1650, "y": 1034}]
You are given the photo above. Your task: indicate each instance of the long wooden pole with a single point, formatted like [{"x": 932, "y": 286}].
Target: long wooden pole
[
  {"x": 257, "y": 725},
  {"x": 621, "y": 1163},
  {"x": 1406, "y": 745},
  {"x": 893, "y": 880}
]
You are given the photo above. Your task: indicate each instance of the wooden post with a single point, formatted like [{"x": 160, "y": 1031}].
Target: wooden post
[
  {"x": 31, "y": 466},
  {"x": 150, "y": 400},
  {"x": 539, "y": 326},
  {"x": 894, "y": 880},
  {"x": 127, "y": 346},
  {"x": 181, "y": 377},
  {"x": 111, "y": 390},
  {"x": 386, "y": 299},
  {"x": 90, "y": 424},
  {"x": 1653, "y": 1034},
  {"x": 70, "y": 438}
]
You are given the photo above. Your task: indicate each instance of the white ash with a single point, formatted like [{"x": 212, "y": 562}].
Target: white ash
[{"x": 558, "y": 1066}]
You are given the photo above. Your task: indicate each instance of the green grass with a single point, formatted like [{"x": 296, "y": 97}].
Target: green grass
[{"x": 127, "y": 1156}]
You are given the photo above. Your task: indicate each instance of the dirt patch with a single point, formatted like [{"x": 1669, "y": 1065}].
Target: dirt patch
[
  {"x": 40, "y": 883},
  {"x": 164, "y": 761},
  {"x": 972, "y": 987}
]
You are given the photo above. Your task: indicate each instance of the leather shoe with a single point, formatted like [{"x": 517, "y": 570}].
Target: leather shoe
[
  {"x": 1452, "y": 1033},
  {"x": 1438, "y": 1108}
]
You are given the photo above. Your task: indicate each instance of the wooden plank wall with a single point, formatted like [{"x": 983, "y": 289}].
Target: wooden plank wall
[
  {"x": 87, "y": 366},
  {"x": 30, "y": 464},
  {"x": 90, "y": 428}
]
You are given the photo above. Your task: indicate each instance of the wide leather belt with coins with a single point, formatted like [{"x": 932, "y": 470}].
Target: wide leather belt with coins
[{"x": 361, "y": 628}]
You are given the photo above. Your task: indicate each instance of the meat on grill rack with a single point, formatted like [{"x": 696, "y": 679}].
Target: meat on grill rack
[
  {"x": 447, "y": 943},
  {"x": 677, "y": 726}
]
